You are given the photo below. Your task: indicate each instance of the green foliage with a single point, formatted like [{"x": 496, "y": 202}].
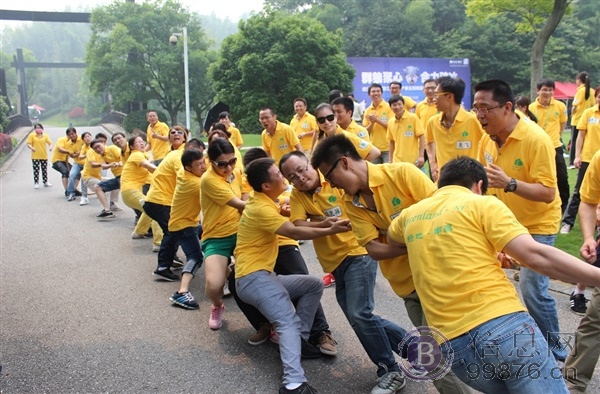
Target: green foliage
[
  {"x": 94, "y": 121},
  {"x": 137, "y": 120},
  {"x": 3, "y": 113},
  {"x": 275, "y": 58},
  {"x": 532, "y": 13}
]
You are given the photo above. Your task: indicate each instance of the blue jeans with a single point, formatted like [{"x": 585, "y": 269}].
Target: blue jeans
[
  {"x": 507, "y": 354},
  {"x": 272, "y": 295},
  {"x": 189, "y": 240},
  {"x": 540, "y": 304},
  {"x": 354, "y": 290},
  {"x": 74, "y": 174}
]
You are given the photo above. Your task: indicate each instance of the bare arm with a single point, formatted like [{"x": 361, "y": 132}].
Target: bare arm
[
  {"x": 529, "y": 191},
  {"x": 392, "y": 149},
  {"x": 298, "y": 147},
  {"x": 381, "y": 251},
  {"x": 147, "y": 165},
  {"x": 433, "y": 167},
  {"x": 374, "y": 153},
  {"x": 315, "y": 224},
  {"x": 237, "y": 204},
  {"x": 421, "y": 159},
  {"x": 578, "y": 146},
  {"x": 288, "y": 229},
  {"x": 587, "y": 221}
]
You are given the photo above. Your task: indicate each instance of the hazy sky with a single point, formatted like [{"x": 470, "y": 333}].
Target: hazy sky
[{"x": 233, "y": 9}]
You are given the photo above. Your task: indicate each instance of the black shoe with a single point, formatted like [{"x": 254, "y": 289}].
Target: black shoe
[
  {"x": 177, "y": 262},
  {"x": 105, "y": 214},
  {"x": 310, "y": 351},
  {"x": 77, "y": 193},
  {"x": 304, "y": 388},
  {"x": 578, "y": 303},
  {"x": 166, "y": 274}
]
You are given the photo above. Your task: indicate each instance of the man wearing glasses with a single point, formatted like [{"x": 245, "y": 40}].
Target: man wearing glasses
[
  {"x": 453, "y": 132},
  {"x": 277, "y": 138},
  {"x": 519, "y": 160}
]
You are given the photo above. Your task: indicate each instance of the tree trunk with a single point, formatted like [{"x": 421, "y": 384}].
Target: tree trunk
[
  {"x": 173, "y": 114},
  {"x": 541, "y": 39}
]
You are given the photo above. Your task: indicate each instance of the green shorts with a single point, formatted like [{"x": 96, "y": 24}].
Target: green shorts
[{"x": 220, "y": 246}]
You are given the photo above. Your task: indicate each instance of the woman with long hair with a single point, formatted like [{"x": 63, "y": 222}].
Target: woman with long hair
[
  {"x": 584, "y": 99},
  {"x": 522, "y": 109}
]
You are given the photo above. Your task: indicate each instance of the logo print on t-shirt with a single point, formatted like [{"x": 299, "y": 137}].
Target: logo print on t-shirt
[
  {"x": 332, "y": 199},
  {"x": 465, "y": 133},
  {"x": 396, "y": 201}
]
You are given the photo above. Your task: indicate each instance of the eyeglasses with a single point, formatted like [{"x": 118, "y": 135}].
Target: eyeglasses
[
  {"x": 295, "y": 178},
  {"x": 328, "y": 118},
  {"x": 224, "y": 164},
  {"x": 484, "y": 111},
  {"x": 437, "y": 94},
  {"x": 328, "y": 175},
  {"x": 177, "y": 132}
]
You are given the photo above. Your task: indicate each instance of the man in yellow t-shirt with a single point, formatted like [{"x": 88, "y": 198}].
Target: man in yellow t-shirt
[
  {"x": 259, "y": 286},
  {"x": 552, "y": 117},
  {"x": 405, "y": 133},
  {"x": 585, "y": 353},
  {"x": 519, "y": 160},
  {"x": 453, "y": 131},
  {"x": 343, "y": 107},
  {"x": 303, "y": 124},
  {"x": 61, "y": 156},
  {"x": 235, "y": 134},
  {"x": 396, "y": 90},
  {"x": 585, "y": 97},
  {"x": 427, "y": 108},
  {"x": 470, "y": 305},
  {"x": 157, "y": 136},
  {"x": 376, "y": 120},
  {"x": 184, "y": 222},
  {"x": 74, "y": 148},
  {"x": 313, "y": 202},
  {"x": 277, "y": 138}
]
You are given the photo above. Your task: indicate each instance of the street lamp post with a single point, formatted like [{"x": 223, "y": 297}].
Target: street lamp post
[{"x": 173, "y": 41}]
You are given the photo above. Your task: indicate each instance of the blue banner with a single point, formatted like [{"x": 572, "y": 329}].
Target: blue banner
[{"x": 410, "y": 72}]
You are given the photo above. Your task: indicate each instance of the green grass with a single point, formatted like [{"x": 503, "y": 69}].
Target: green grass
[{"x": 251, "y": 140}]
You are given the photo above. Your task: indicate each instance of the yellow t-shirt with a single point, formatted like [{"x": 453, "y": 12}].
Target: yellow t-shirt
[
  {"x": 326, "y": 202},
  {"x": 134, "y": 176},
  {"x": 257, "y": 242},
  {"x": 75, "y": 147},
  {"x": 425, "y": 111},
  {"x": 409, "y": 103},
  {"x": 40, "y": 144},
  {"x": 528, "y": 156},
  {"x": 395, "y": 187},
  {"x": 461, "y": 139},
  {"x": 581, "y": 104},
  {"x": 220, "y": 220},
  {"x": 405, "y": 133},
  {"x": 236, "y": 137},
  {"x": 159, "y": 148},
  {"x": 378, "y": 132},
  {"x": 590, "y": 187},
  {"x": 550, "y": 118},
  {"x": 460, "y": 287},
  {"x": 89, "y": 171},
  {"x": 164, "y": 179},
  {"x": 285, "y": 196},
  {"x": 185, "y": 207},
  {"x": 307, "y": 123},
  {"x": 62, "y": 142},
  {"x": 590, "y": 122},
  {"x": 283, "y": 141},
  {"x": 360, "y": 131},
  {"x": 112, "y": 154},
  {"x": 363, "y": 147}
]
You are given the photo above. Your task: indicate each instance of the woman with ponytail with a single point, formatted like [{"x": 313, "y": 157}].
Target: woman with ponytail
[{"x": 584, "y": 99}]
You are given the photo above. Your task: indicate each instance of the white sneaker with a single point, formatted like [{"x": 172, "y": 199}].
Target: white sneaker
[
  {"x": 565, "y": 229},
  {"x": 226, "y": 291},
  {"x": 156, "y": 248},
  {"x": 36, "y": 185},
  {"x": 84, "y": 201},
  {"x": 114, "y": 207},
  {"x": 47, "y": 184}
]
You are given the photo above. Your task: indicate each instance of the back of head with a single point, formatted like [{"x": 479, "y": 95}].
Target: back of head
[
  {"x": 584, "y": 77},
  {"x": 335, "y": 93},
  {"x": 501, "y": 91},
  {"x": 456, "y": 86},
  {"x": 257, "y": 172},
  {"x": 331, "y": 148},
  {"x": 254, "y": 154},
  {"x": 463, "y": 171},
  {"x": 195, "y": 143}
]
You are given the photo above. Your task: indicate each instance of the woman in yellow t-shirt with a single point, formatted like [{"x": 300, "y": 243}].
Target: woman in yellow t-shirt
[
  {"x": 37, "y": 142},
  {"x": 522, "y": 109},
  {"x": 137, "y": 172},
  {"x": 584, "y": 99},
  {"x": 220, "y": 198}
]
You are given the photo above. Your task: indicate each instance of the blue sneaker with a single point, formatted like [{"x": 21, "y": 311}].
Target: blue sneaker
[{"x": 185, "y": 300}]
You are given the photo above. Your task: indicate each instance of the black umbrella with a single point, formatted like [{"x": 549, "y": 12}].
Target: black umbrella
[{"x": 213, "y": 114}]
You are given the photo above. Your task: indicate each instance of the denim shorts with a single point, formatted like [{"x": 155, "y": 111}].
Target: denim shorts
[{"x": 108, "y": 185}]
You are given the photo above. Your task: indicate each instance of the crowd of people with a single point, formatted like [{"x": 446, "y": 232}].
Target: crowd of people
[{"x": 492, "y": 195}]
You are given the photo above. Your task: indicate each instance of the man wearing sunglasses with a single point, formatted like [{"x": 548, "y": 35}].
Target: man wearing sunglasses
[{"x": 277, "y": 138}]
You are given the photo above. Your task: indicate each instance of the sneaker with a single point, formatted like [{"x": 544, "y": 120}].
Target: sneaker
[
  {"x": 309, "y": 350},
  {"x": 47, "y": 184},
  {"x": 84, "y": 201},
  {"x": 105, "y": 214},
  {"x": 327, "y": 345},
  {"x": 177, "y": 262},
  {"x": 578, "y": 302},
  {"x": 36, "y": 185},
  {"x": 71, "y": 197},
  {"x": 390, "y": 383},
  {"x": 166, "y": 274},
  {"x": 135, "y": 235},
  {"x": 114, "y": 207},
  {"x": 226, "y": 291},
  {"x": 571, "y": 167},
  {"x": 328, "y": 280},
  {"x": 185, "y": 300},
  {"x": 261, "y": 335},
  {"x": 77, "y": 193},
  {"x": 156, "y": 248},
  {"x": 304, "y": 388},
  {"x": 216, "y": 317},
  {"x": 565, "y": 229}
]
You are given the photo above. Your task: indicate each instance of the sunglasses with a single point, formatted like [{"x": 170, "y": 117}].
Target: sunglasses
[
  {"x": 328, "y": 118},
  {"x": 224, "y": 164},
  {"x": 176, "y": 132}
]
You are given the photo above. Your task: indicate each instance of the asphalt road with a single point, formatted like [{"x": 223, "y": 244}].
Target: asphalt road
[{"x": 81, "y": 312}]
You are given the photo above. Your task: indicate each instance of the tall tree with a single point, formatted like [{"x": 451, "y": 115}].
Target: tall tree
[
  {"x": 129, "y": 55},
  {"x": 275, "y": 58},
  {"x": 538, "y": 16}
]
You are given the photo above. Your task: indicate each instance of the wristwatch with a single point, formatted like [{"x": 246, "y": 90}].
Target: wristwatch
[{"x": 512, "y": 186}]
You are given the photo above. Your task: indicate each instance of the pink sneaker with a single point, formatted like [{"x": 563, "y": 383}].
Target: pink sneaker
[
  {"x": 273, "y": 336},
  {"x": 328, "y": 280},
  {"x": 216, "y": 317}
]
